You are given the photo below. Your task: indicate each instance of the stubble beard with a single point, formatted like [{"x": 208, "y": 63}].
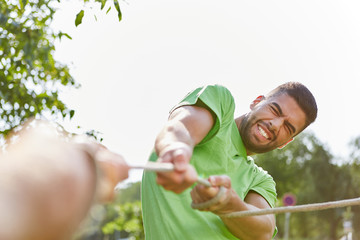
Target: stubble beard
[{"x": 245, "y": 132}]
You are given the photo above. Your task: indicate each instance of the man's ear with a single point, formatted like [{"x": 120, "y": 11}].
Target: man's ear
[
  {"x": 256, "y": 101},
  {"x": 282, "y": 146}
]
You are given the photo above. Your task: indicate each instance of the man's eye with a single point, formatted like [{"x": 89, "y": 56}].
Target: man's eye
[
  {"x": 288, "y": 129},
  {"x": 274, "y": 110}
]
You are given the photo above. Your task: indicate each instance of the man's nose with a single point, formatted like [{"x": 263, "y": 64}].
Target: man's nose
[{"x": 275, "y": 124}]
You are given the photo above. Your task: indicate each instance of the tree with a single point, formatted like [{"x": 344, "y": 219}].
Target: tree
[
  {"x": 122, "y": 217},
  {"x": 355, "y": 173},
  {"x": 127, "y": 220},
  {"x": 30, "y": 77},
  {"x": 305, "y": 168}
]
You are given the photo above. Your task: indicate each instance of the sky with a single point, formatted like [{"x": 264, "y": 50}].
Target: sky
[{"x": 132, "y": 72}]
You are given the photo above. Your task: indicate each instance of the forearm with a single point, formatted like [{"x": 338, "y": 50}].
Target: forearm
[
  {"x": 174, "y": 132},
  {"x": 187, "y": 125},
  {"x": 228, "y": 201},
  {"x": 46, "y": 190},
  {"x": 247, "y": 228},
  {"x": 49, "y": 179}
]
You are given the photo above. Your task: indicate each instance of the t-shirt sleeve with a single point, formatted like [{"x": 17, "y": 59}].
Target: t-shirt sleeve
[
  {"x": 265, "y": 185},
  {"x": 217, "y": 99}
]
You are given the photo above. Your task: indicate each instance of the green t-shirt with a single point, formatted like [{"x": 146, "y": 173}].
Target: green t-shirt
[{"x": 169, "y": 216}]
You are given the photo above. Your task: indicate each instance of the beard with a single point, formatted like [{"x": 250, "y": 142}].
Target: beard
[{"x": 249, "y": 140}]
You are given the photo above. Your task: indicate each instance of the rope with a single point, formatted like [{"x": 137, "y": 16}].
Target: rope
[
  {"x": 207, "y": 204},
  {"x": 298, "y": 208},
  {"x": 160, "y": 167}
]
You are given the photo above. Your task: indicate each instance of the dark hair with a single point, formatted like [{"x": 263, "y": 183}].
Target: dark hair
[{"x": 301, "y": 95}]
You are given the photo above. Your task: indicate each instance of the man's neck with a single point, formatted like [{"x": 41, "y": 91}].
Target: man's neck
[{"x": 238, "y": 121}]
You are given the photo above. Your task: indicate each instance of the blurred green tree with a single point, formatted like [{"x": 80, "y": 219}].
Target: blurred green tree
[
  {"x": 306, "y": 168},
  {"x": 121, "y": 218},
  {"x": 354, "y": 168},
  {"x": 30, "y": 77}
]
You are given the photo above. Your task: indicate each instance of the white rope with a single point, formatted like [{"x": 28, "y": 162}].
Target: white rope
[
  {"x": 165, "y": 167},
  {"x": 155, "y": 167},
  {"x": 207, "y": 204},
  {"x": 298, "y": 208},
  {"x": 168, "y": 167}
]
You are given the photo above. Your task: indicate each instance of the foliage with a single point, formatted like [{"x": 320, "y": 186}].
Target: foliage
[
  {"x": 102, "y": 3},
  {"x": 124, "y": 215},
  {"x": 354, "y": 169},
  {"x": 30, "y": 77},
  {"x": 121, "y": 218},
  {"x": 128, "y": 220}
]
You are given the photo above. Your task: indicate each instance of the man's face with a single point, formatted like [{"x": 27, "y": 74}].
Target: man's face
[{"x": 271, "y": 123}]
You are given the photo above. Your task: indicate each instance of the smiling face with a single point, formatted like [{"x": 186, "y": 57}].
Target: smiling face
[{"x": 271, "y": 123}]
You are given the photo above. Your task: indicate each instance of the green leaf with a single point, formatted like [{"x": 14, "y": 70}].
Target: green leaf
[
  {"x": 23, "y": 3},
  {"x": 117, "y": 6},
  {"x": 64, "y": 34},
  {"x": 79, "y": 18},
  {"x": 108, "y": 10},
  {"x": 67, "y": 35},
  {"x": 102, "y": 4},
  {"x": 72, "y": 112}
]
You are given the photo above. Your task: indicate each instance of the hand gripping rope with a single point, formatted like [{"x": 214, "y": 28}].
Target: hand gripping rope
[{"x": 168, "y": 167}]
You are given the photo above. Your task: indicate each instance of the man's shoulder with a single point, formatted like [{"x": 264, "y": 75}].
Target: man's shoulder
[
  {"x": 218, "y": 92},
  {"x": 217, "y": 87}
]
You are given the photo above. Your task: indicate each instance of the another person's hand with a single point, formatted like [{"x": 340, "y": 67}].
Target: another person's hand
[
  {"x": 201, "y": 194},
  {"x": 113, "y": 169},
  {"x": 48, "y": 181},
  {"x": 184, "y": 175}
]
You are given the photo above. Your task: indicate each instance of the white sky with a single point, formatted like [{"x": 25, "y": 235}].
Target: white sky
[{"x": 132, "y": 72}]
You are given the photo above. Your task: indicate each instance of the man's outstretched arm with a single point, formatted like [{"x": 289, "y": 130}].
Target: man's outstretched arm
[{"x": 186, "y": 127}]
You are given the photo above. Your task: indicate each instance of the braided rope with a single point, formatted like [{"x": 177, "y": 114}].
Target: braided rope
[
  {"x": 161, "y": 167},
  {"x": 289, "y": 209},
  {"x": 298, "y": 208},
  {"x": 207, "y": 204}
]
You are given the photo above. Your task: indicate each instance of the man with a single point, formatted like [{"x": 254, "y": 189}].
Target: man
[
  {"x": 202, "y": 138},
  {"x": 49, "y": 179}
]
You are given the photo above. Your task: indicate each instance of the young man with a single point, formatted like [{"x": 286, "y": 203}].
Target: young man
[{"x": 203, "y": 138}]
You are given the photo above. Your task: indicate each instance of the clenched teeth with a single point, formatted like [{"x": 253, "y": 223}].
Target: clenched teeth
[{"x": 263, "y": 133}]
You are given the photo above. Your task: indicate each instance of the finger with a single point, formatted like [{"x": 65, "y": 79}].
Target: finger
[
  {"x": 161, "y": 180},
  {"x": 199, "y": 196},
  {"x": 165, "y": 158},
  {"x": 190, "y": 175},
  {"x": 180, "y": 160},
  {"x": 222, "y": 203},
  {"x": 177, "y": 153},
  {"x": 176, "y": 158},
  {"x": 221, "y": 180},
  {"x": 113, "y": 165},
  {"x": 170, "y": 177},
  {"x": 195, "y": 196}
]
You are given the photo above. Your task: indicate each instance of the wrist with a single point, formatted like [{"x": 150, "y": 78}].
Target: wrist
[{"x": 229, "y": 205}]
